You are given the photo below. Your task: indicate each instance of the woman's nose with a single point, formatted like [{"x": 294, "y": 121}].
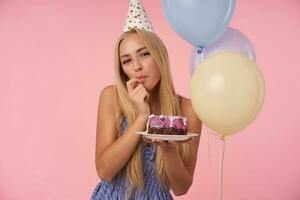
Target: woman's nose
[{"x": 137, "y": 65}]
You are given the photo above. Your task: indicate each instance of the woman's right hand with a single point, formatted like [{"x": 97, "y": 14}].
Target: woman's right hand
[{"x": 139, "y": 95}]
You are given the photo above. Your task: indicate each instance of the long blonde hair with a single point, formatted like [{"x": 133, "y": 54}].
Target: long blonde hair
[{"x": 167, "y": 101}]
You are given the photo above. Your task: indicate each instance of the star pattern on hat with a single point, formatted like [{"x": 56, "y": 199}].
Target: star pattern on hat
[{"x": 137, "y": 17}]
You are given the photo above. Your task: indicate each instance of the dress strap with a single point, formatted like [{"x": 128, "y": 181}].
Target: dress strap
[{"x": 123, "y": 124}]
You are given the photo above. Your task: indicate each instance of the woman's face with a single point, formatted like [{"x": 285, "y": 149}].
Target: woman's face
[{"x": 137, "y": 62}]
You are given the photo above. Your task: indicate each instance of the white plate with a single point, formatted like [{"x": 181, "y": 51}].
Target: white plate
[{"x": 166, "y": 137}]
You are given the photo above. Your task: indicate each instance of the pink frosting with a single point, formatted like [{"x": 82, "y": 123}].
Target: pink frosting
[
  {"x": 163, "y": 121},
  {"x": 166, "y": 121},
  {"x": 155, "y": 121},
  {"x": 178, "y": 122}
]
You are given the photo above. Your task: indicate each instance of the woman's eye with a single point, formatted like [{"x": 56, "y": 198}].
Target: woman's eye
[
  {"x": 125, "y": 61},
  {"x": 145, "y": 54}
]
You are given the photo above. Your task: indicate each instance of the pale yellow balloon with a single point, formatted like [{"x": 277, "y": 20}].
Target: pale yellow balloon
[{"x": 227, "y": 92}]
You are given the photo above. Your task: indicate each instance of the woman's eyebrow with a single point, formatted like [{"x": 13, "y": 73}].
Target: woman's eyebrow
[{"x": 140, "y": 49}]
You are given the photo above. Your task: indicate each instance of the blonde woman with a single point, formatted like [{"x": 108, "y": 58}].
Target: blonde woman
[{"x": 130, "y": 167}]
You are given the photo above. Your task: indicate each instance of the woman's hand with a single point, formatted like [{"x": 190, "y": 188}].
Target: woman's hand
[
  {"x": 166, "y": 144},
  {"x": 139, "y": 95}
]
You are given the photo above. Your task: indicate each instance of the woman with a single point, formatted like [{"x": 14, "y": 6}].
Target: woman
[{"x": 130, "y": 167}]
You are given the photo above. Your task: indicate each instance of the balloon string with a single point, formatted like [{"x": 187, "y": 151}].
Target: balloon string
[
  {"x": 222, "y": 138},
  {"x": 222, "y": 166},
  {"x": 201, "y": 56}
]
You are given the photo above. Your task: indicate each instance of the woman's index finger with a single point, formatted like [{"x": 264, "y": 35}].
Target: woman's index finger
[{"x": 131, "y": 84}]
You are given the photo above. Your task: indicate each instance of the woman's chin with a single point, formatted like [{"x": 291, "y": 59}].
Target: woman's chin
[{"x": 147, "y": 87}]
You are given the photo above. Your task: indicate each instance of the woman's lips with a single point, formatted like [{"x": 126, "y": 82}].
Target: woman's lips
[
  {"x": 138, "y": 77},
  {"x": 141, "y": 79}
]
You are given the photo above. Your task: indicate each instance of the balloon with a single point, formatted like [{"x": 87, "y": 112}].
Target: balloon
[
  {"x": 197, "y": 58},
  {"x": 228, "y": 92},
  {"x": 199, "y": 22},
  {"x": 231, "y": 40}
]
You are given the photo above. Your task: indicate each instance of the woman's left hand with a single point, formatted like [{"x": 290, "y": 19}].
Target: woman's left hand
[{"x": 166, "y": 144}]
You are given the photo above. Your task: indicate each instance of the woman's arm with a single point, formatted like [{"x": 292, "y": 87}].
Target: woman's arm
[
  {"x": 180, "y": 173},
  {"x": 112, "y": 153}
]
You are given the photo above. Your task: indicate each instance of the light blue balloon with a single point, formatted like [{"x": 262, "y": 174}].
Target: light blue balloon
[
  {"x": 231, "y": 40},
  {"x": 199, "y": 22}
]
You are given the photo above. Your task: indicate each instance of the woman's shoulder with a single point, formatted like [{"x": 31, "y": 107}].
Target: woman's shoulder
[
  {"x": 184, "y": 102},
  {"x": 186, "y": 106},
  {"x": 188, "y": 111},
  {"x": 108, "y": 95},
  {"x": 108, "y": 91}
]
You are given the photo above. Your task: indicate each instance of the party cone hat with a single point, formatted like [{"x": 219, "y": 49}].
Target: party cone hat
[{"x": 137, "y": 17}]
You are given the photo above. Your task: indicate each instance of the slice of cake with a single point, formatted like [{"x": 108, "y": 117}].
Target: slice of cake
[{"x": 167, "y": 125}]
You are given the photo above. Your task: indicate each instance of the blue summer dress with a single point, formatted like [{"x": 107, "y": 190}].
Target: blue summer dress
[{"x": 116, "y": 189}]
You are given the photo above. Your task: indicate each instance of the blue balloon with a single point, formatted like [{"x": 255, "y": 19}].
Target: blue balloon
[
  {"x": 199, "y": 22},
  {"x": 231, "y": 40}
]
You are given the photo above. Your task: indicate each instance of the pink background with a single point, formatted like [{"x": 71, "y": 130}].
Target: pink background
[{"x": 55, "y": 58}]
